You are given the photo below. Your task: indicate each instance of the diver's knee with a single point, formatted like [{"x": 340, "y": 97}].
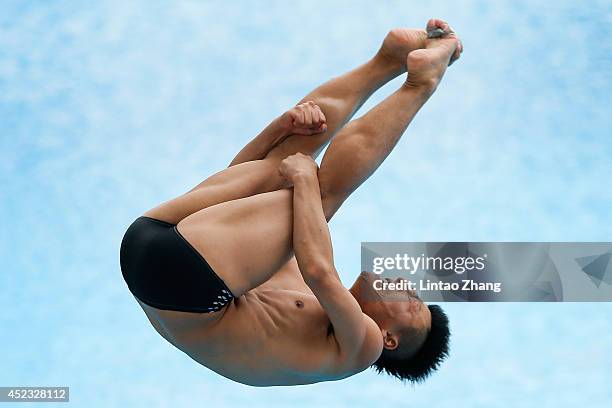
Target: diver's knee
[{"x": 331, "y": 202}]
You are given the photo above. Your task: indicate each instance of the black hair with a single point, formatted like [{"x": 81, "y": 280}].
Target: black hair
[{"x": 426, "y": 360}]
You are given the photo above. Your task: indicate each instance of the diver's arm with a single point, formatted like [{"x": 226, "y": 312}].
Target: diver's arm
[
  {"x": 313, "y": 251},
  {"x": 299, "y": 120},
  {"x": 265, "y": 141}
]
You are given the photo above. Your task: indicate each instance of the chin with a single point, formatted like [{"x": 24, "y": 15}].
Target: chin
[
  {"x": 367, "y": 278},
  {"x": 362, "y": 287}
]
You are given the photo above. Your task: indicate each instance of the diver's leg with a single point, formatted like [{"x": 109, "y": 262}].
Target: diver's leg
[
  {"x": 363, "y": 144},
  {"x": 247, "y": 240},
  {"x": 341, "y": 97},
  {"x": 338, "y": 98}
]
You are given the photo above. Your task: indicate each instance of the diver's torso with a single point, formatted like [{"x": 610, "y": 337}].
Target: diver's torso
[{"x": 268, "y": 336}]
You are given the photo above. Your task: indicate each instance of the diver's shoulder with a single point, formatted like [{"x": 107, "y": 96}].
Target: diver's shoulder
[
  {"x": 370, "y": 350},
  {"x": 372, "y": 345}
]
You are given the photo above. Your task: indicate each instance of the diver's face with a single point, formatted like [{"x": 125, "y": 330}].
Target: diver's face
[{"x": 391, "y": 309}]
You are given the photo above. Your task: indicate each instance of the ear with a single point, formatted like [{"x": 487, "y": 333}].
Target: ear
[{"x": 390, "y": 340}]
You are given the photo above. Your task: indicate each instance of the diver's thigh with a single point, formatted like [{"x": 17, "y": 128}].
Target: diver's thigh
[
  {"x": 244, "y": 241},
  {"x": 242, "y": 180}
]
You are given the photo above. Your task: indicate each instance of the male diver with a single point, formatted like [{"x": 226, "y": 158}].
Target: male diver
[{"x": 238, "y": 273}]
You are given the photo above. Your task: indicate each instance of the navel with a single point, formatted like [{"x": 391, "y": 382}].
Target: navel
[{"x": 299, "y": 304}]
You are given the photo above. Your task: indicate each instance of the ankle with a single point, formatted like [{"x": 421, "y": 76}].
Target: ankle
[
  {"x": 425, "y": 87},
  {"x": 390, "y": 66}
]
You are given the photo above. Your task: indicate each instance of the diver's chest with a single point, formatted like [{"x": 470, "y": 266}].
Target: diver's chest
[{"x": 295, "y": 310}]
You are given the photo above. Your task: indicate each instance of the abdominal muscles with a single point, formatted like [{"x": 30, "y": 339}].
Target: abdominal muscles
[{"x": 268, "y": 337}]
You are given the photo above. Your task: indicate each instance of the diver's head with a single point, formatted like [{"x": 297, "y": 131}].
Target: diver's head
[{"x": 415, "y": 335}]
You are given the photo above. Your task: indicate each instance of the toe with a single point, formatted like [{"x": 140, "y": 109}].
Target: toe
[
  {"x": 437, "y": 28},
  {"x": 457, "y": 53},
  {"x": 434, "y": 23}
]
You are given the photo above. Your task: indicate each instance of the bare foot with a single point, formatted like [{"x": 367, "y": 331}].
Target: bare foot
[
  {"x": 399, "y": 42},
  {"x": 427, "y": 66}
]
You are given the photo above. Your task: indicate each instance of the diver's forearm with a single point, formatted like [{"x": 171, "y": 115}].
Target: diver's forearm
[
  {"x": 311, "y": 239},
  {"x": 313, "y": 250},
  {"x": 261, "y": 145}
]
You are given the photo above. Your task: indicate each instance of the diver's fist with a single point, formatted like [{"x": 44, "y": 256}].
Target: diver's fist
[
  {"x": 297, "y": 165},
  {"x": 304, "y": 119}
]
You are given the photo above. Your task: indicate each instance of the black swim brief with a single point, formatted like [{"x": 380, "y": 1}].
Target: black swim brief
[{"x": 163, "y": 270}]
